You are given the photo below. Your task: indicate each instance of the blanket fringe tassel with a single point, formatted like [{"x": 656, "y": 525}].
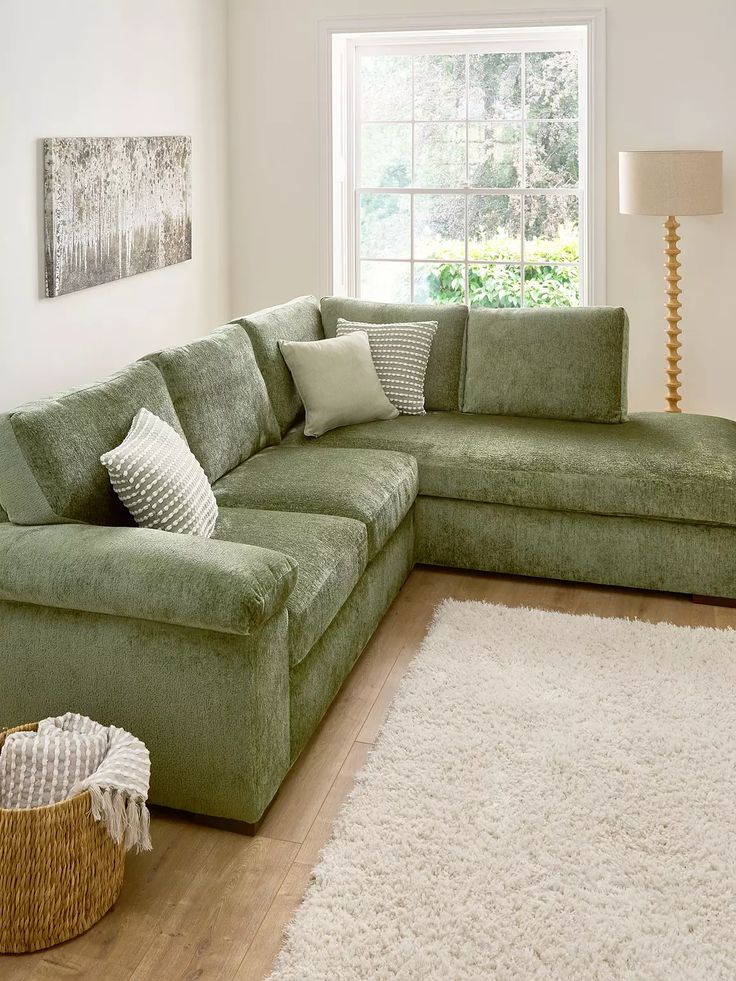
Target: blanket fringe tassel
[{"x": 126, "y": 818}]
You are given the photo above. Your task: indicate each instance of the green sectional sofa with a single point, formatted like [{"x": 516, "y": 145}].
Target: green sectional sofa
[{"x": 224, "y": 654}]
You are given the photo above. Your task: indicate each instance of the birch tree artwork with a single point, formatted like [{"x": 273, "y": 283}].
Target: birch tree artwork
[{"x": 114, "y": 207}]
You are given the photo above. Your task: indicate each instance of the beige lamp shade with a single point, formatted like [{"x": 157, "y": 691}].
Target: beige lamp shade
[{"x": 670, "y": 182}]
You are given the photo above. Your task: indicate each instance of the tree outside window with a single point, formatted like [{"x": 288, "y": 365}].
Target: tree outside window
[{"x": 468, "y": 177}]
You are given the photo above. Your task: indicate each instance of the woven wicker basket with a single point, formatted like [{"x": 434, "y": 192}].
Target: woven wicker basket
[{"x": 60, "y": 872}]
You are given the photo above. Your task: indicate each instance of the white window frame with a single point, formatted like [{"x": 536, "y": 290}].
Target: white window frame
[{"x": 340, "y": 42}]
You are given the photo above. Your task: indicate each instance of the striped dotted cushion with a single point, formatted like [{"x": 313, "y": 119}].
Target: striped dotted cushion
[
  {"x": 400, "y": 353},
  {"x": 158, "y": 479}
]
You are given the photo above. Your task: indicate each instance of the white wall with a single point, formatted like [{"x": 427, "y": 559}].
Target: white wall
[
  {"x": 671, "y": 83},
  {"x": 107, "y": 68},
  {"x": 127, "y": 67}
]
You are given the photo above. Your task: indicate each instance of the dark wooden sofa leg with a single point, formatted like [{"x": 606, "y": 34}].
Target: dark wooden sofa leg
[
  {"x": 224, "y": 824},
  {"x": 714, "y": 600}
]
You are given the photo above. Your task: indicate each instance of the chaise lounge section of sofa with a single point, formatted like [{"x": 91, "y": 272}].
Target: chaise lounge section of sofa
[{"x": 224, "y": 654}]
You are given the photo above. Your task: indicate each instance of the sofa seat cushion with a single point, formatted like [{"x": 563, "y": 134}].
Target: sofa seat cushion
[
  {"x": 331, "y": 554},
  {"x": 376, "y": 488},
  {"x": 662, "y": 465}
]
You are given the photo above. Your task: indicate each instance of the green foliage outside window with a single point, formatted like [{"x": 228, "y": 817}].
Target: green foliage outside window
[{"x": 545, "y": 284}]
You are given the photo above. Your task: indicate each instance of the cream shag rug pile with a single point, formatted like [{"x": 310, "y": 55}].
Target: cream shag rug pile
[{"x": 551, "y": 796}]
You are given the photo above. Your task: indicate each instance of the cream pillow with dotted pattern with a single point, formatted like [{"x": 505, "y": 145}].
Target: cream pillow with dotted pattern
[{"x": 158, "y": 479}]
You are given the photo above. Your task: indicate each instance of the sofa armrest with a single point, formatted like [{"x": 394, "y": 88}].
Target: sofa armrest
[{"x": 144, "y": 574}]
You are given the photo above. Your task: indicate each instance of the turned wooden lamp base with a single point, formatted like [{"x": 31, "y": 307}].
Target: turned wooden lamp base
[
  {"x": 673, "y": 291},
  {"x": 671, "y": 182}
]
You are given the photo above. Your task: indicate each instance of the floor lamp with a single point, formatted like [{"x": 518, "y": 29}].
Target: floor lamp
[{"x": 670, "y": 183}]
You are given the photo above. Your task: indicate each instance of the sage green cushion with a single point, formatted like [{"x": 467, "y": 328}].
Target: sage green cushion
[
  {"x": 50, "y": 470},
  {"x": 330, "y": 554},
  {"x": 298, "y": 320},
  {"x": 337, "y": 382},
  {"x": 220, "y": 398},
  {"x": 442, "y": 384},
  {"x": 375, "y": 488},
  {"x": 553, "y": 363},
  {"x": 664, "y": 465},
  {"x": 145, "y": 574}
]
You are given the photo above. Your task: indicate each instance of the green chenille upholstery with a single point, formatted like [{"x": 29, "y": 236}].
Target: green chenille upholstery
[
  {"x": 145, "y": 574},
  {"x": 220, "y": 398},
  {"x": 375, "y": 488},
  {"x": 298, "y": 320},
  {"x": 315, "y": 681},
  {"x": 554, "y": 363},
  {"x": 330, "y": 553},
  {"x": 444, "y": 371},
  {"x": 212, "y": 708},
  {"x": 618, "y": 551},
  {"x": 50, "y": 470},
  {"x": 663, "y": 465},
  {"x": 223, "y": 654}
]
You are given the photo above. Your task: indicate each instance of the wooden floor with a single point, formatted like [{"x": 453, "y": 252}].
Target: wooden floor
[{"x": 209, "y": 904}]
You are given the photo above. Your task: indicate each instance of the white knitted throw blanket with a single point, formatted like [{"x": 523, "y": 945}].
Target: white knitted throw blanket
[{"x": 71, "y": 754}]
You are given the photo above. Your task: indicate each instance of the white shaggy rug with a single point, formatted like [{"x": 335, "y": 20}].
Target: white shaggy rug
[{"x": 551, "y": 796}]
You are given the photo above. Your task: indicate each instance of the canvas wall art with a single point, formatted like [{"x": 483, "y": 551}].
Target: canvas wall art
[{"x": 114, "y": 207}]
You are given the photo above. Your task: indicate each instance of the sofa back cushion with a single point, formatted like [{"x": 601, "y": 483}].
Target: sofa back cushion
[
  {"x": 442, "y": 385},
  {"x": 50, "y": 470},
  {"x": 552, "y": 363},
  {"x": 298, "y": 320},
  {"x": 220, "y": 398}
]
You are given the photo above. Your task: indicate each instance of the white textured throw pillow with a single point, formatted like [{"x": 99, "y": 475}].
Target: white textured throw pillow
[
  {"x": 337, "y": 382},
  {"x": 158, "y": 479},
  {"x": 401, "y": 354}
]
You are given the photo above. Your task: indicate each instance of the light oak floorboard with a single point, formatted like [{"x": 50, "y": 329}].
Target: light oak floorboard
[
  {"x": 257, "y": 963},
  {"x": 319, "y": 832},
  {"x": 209, "y": 904}
]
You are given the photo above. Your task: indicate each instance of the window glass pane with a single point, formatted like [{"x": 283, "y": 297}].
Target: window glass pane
[
  {"x": 474, "y": 162},
  {"x": 439, "y": 226},
  {"x": 439, "y": 155},
  {"x": 494, "y": 152},
  {"x": 439, "y": 87},
  {"x": 494, "y": 286},
  {"x": 551, "y": 228},
  {"x": 439, "y": 282},
  {"x": 385, "y": 155},
  {"x": 551, "y": 286},
  {"x": 385, "y": 226},
  {"x": 388, "y": 281},
  {"x": 494, "y": 227},
  {"x": 552, "y": 84},
  {"x": 385, "y": 87},
  {"x": 494, "y": 86},
  {"x": 551, "y": 154}
]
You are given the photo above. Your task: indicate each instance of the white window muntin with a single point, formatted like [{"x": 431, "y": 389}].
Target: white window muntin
[{"x": 347, "y": 126}]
